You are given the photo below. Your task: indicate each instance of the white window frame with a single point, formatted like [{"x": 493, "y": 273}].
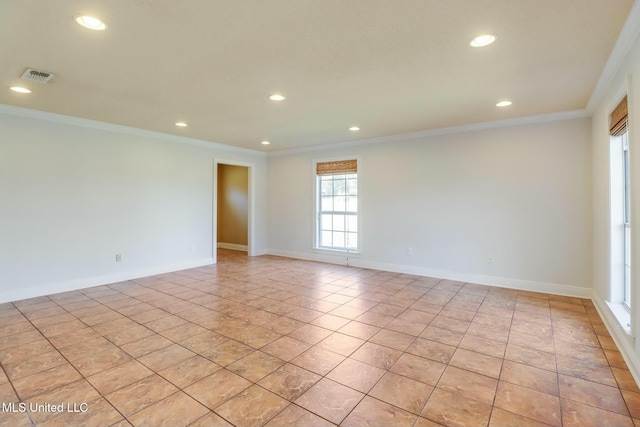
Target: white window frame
[
  {"x": 316, "y": 208},
  {"x": 618, "y": 301},
  {"x": 627, "y": 219}
]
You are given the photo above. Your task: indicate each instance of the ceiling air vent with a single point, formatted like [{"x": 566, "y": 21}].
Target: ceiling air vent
[{"x": 37, "y": 75}]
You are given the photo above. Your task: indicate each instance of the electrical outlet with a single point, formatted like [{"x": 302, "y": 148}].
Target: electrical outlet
[
  {"x": 490, "y": 259},
  {"x": 410, "y": 251},
  {"x": 190, "y": 248},
  {"x": 118, "y": 257}
]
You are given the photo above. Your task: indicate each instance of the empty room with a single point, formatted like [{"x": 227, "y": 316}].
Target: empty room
[{"x": 319, "y": 213}]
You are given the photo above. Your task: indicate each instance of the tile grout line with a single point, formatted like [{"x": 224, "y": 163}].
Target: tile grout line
[
  {"x": 65, "y": 358},
  {"x": 250, "y": 283}
]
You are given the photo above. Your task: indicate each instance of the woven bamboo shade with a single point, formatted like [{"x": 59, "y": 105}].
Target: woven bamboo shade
[
  {"x": 337, "y": 167},
  {"x": 618, "y": 119}
]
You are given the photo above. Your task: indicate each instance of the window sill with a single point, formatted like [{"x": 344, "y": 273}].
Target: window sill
[{"x": 622, "y": 314}]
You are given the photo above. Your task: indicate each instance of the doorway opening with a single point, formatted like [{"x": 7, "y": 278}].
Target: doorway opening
[{"x": 233, "y": 217}]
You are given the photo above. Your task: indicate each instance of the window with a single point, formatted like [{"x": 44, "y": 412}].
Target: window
[
  {"x": 620, "y": 211},
  {"x": 337, "y": 205}
]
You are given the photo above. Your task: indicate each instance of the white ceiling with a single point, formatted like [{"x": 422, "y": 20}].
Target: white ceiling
[{"x": 388, "y": 66}]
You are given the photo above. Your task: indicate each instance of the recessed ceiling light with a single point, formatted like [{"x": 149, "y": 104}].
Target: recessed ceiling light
[
  {"x": 265, "y": 143},
  {"x": 277, "y": 97},
  {"x": 482, "y": 40},
  {"x": 91, "y": 23},
  {"x": 20, "y": 89},
  {"x": 181, "y": 124},
  {"x": 354, "y": 128},
  {"x": 503, "y": 104}
]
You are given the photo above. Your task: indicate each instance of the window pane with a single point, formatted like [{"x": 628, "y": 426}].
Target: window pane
[
  {"x": 338, "y": 239},
  {"x": 327, "y": 187},
  {"x": 327, "y": 204},
  {"x": 352, "y": 223},
  {"x": 627, "y": 285},
  {"x": 326, "y": 222},
  {"x": 352, "y": 204},
  {"x": 627, "y": 245},
  {"x": 352, "y": 241},
  {"x": 352, "y": 187},
  {"x": 625, "y": 166},
  {"x": 339, "y": 186},
  {"x": 338, "y": 222},
  {"x": 325, "y": 239},
  {"x": 339, "y": 203}
]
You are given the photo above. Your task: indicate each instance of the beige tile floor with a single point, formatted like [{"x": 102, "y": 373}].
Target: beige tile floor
[{"x": 279, "y": 342}]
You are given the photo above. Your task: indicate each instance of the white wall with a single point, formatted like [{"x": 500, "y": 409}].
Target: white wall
[
  {"x": 73, "y": 193},
  {"x": 626, "y": 80},
  {"x": 521, "y": 194}
]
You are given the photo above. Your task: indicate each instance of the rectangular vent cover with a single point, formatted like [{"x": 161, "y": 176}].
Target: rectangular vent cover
[{"x": 37, "y": 75}]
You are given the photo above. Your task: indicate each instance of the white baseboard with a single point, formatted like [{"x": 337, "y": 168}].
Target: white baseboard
[
  {"x": 502, "y": 282},
  {"x": 623, "y": 340},
  {"x": 233, "y": 246},
  {"x": 87, "y": 282}
]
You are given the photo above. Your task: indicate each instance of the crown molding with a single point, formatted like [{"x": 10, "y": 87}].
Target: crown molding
[
  {"x": 94, "y": 124},
  {"x": 518, "y": 121},
  {"x": 628, "y": 35},
  {"x": 110, "y": 127}
]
